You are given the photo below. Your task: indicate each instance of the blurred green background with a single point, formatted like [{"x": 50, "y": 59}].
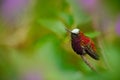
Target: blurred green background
[{"x": 34, "y": 44}]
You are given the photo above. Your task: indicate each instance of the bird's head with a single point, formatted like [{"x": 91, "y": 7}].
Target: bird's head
[{"x": 75, "y": 33}]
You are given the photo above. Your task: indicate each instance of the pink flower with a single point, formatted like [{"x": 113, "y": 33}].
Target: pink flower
[
  {"x": 89, "y": 5},
  {"x": 12, "y": 9},
  {"x": 31, "y": 75}
]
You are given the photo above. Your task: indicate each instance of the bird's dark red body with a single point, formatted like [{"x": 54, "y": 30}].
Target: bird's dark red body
[{"x": 82, "y": 44}]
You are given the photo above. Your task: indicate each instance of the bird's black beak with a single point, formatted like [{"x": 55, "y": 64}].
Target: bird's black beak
[{"x": 67, "y": 30}]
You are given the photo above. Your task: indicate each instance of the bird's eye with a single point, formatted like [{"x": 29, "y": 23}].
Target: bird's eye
[{"x": 74, "y": 35}]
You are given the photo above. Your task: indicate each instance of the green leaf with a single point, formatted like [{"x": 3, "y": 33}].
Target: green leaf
[
  {"x": 79, "y": 16},
  {"x": 93, "y": 34},
  {"x": 55, "y": 26},
  {"x": 67, "y": 18}
]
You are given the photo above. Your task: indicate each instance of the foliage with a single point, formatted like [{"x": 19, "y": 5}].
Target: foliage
[{"x": 36, "y": 46}]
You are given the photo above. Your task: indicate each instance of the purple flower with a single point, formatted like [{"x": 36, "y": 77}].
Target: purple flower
[
  {"x": 31, "y": 75},
  {"x": 13, "y": 5},
  {"x": 118, "y": 26},
  {"x": 12, "y": 9},
  {"x": 89, "y": 5}
]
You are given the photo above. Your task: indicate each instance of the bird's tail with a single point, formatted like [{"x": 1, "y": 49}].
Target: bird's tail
[
  {"x": 93, "y": 55},
  {"x": 88, "y": 63}
]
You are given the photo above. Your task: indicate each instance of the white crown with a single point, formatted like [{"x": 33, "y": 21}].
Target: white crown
[{"x": 75, "y": 31}]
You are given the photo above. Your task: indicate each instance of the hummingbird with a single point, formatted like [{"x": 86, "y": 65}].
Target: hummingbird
[{"x": 83, "y": 45}]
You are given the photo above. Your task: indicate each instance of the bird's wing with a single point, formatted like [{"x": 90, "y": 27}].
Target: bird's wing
[
  {"x": 89, "y": 47},
  {"x": 90, "y": 51}
]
